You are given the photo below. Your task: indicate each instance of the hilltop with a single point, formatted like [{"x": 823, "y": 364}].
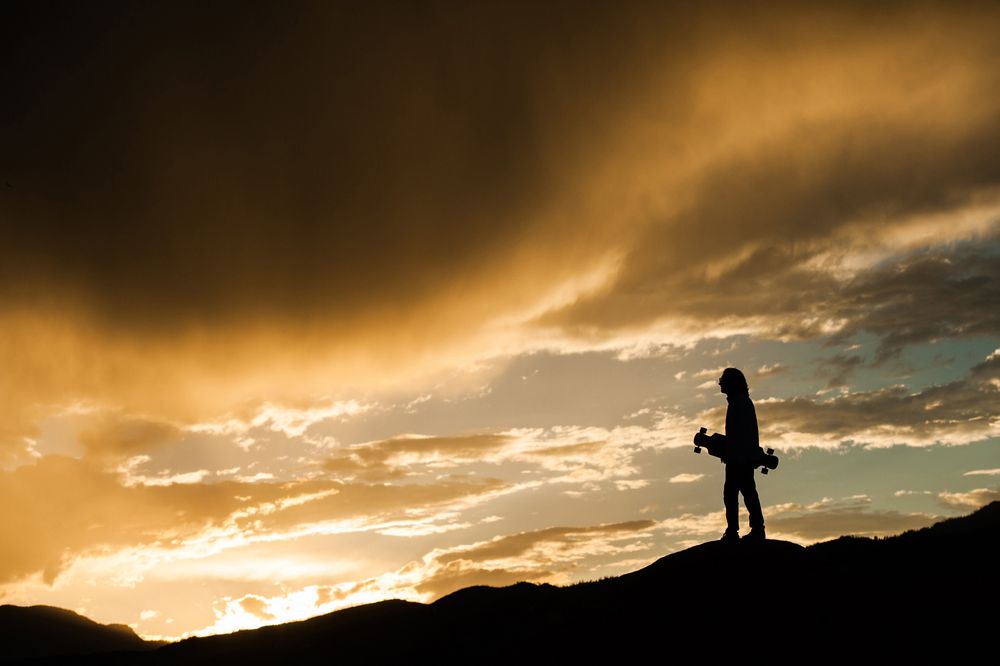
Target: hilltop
[
  {"x": 922, "y": 592},
  {"x": 46, "y": 630}
]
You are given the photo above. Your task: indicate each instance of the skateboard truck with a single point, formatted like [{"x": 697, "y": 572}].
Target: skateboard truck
[
  {"x": 701, "y": 431},
  {"x": 763, "y": 470}
]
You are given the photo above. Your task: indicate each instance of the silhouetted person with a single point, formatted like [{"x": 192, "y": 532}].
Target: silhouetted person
[{"x": 742, "y": 442}]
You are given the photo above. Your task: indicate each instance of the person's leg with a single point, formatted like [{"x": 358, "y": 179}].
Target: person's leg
[
  {"x": 751, "y": 499},
  {"x": 731, "y": 499}
]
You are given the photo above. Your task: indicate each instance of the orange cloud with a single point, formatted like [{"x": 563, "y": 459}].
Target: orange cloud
[
  {"x": 60, "y": 509},
  {"x": 576, "y": 172}
]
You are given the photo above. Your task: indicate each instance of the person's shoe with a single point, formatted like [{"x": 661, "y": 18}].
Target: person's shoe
[
  {"x": 756, "y": 534},
  {"x": 730, "y": 536}
]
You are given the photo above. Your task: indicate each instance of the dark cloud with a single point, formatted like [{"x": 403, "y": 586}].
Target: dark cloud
[
  {"x": 829, "y": 519},
  {"x": 209, "y": 198},
  {"x": 924, "y": 297},
  {"x": 527, "y": 556},
  {"x": 118, "y": 436},
  {"x": 759, "y": 237},
  {"x": 838, "y": 368},
  {"x": 516, "y": 545},
  {"x": 211, "y": 203},
  {"x": 194, "y": 163},
  {"x": 910, "y": 298},
  {"x": 956, "y": 412},
  {"x": 204, "y": 164}
]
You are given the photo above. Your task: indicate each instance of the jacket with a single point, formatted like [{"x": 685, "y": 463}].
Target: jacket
[{"x": 742, "y": 438}]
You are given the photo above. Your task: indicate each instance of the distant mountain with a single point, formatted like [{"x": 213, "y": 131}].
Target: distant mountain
[
  {"x": 923, "y": 594},
  {"x": 35, "y": 631}
]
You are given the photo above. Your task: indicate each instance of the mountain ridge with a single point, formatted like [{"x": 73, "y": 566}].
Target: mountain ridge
[
  {"x": 27, "y": 631},
  {"x": 920, "y": 592}
]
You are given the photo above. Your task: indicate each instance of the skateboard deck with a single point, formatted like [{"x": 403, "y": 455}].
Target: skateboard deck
[{"x": 715, "y": 444}]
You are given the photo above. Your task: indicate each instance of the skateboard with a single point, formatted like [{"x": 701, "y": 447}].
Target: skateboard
[{"x": 715, "y": 444}]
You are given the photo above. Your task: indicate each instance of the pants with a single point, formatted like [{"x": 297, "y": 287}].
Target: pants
[{"x": 739, "y": 479}]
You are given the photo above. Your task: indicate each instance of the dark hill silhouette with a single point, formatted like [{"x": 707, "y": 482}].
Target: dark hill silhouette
[
  {"x": 922, "y": 593},
  {"x": 45, "y": 630}
]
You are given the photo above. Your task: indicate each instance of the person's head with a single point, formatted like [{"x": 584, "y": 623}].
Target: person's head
[{"x": 732, "y": 382}]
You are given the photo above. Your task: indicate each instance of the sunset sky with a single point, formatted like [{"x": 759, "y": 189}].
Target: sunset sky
[{"x": 306, "y": 305}]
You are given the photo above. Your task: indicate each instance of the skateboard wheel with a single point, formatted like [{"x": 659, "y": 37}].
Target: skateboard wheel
[
  {"x": 763, "y": 470},
  {"x": 770, "y": 452},
  {"x": 697, "y": 449},
  {"x": 702, "y": 430}
]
